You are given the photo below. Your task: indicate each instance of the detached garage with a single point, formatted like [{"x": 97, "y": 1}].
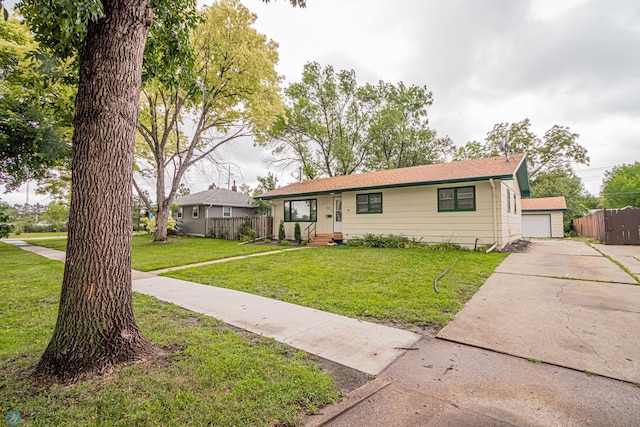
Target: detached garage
[{"x": 543, "y": 217}]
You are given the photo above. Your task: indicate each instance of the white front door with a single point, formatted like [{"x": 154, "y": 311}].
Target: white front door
[{"x": 337, "y": 214}]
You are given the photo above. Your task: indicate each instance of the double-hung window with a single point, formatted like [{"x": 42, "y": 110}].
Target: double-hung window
[
  {"x": 369, "y": 203},
  {"x": 301, "y": 210},
  {"x": 457, "y": 199},
  {"x": 196, "y": 211},
  {"x": 226, "y": 211},
  {"x": 180, "y": 212}
]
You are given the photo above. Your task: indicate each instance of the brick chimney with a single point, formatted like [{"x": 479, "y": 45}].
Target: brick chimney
[{"x": 233, "y": 187}]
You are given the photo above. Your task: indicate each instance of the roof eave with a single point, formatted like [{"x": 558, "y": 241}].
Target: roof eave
[{"x": 381, "y": 187}]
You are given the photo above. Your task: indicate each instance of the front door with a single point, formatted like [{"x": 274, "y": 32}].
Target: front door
[{"x": 337, "y": 214}]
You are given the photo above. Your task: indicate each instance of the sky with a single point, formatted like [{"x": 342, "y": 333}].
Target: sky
[{"x": 574, "y": 63}]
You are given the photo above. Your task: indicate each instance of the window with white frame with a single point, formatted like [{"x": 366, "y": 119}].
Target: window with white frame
[
  {"x": 196, "y": 211},
  {"x": 180, "y": 212},
  {"x": 226, "y": 211}
]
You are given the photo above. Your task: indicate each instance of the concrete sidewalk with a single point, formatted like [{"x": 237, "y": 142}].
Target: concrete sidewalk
[
  {"x": 364, "y": 346},
  {"x": 367, "y": 347},
  {"x": 40, "y": 250}
]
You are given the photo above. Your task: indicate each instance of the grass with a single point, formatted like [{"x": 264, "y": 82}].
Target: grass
[
  {"x": 384, "y": 285},
  {"x": 215, "y": 376},
  {"x": 61, "y": 235},
  {"x": 148, "y": 255}
]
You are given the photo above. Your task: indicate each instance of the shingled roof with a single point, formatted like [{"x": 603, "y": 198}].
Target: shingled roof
[
  {"x": 440, "y": 173},
  {"x": 544, "y": 204},
  {"x": 215, "y": 197}
]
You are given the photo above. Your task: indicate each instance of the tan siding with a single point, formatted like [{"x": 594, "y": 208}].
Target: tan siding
[
  {"x": 510, "y": 219},
  {"x": 324, "y": 224},
  {"x": 413, "y": 212},
  {"x": 557, "y": 225}
]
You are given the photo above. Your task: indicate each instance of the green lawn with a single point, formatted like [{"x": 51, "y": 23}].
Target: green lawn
[
  {"x": 215, "y": 376},
  {"x": 383, "y": 285},
  {"x": 62, "y": 235},
  {"x": 148, "y": 255}
]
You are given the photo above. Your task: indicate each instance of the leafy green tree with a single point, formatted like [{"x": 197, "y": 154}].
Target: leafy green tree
[
  {"x": 36, "y": 105},
  {"x": 56, "y": 214},
  {"x": 621, "y": 186},
  {"x": 6, "y": 220},
  {"x": 334, "y": 127},
  {"x": 234, "y": 95},
  {"x": 58, "y": 184},
  {"x": 398, "y": 134},
  {"x": 297, "y": 233},
  {"x": 557, "y": 150},
  {"x": 562, "y": 183},
  {"x": 96, "y": 329},
  {"x": 265, "y": 183},
  {"x": 281, "y": 233},
  {"x": 324, "y": 130}
]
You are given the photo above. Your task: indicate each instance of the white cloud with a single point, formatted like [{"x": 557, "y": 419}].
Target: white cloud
[{"x": 573, "y": 62}]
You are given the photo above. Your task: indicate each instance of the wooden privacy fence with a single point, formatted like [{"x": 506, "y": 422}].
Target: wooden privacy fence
[
  {"x": 611, "y": 226},
  {"x": 228, "y": 228}
]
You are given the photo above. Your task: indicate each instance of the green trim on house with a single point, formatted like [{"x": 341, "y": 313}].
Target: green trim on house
[
  {"x": 522, "y": 175},
  {"x": 369, "y": 209},
  {"x": 382, "y": 187},
  {"x": 313, "y": 211},
  {"x": 456, "y": 199}
]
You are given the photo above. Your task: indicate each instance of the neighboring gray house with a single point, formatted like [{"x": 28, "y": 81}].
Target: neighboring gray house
[{"x": 196, "y": 209}]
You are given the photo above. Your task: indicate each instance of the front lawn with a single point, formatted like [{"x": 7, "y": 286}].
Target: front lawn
[
  {"x": 148, "y": 255},
  {"x": 383, "y": 285},
  {"x": 213, "y": 376},
  {"x": 37, "y": 235}
]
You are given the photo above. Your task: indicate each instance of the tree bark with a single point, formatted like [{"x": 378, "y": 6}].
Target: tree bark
[{"x": 96, "y": 329}]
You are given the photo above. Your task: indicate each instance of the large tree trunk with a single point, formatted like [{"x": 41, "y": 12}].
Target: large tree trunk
[
  {"x": 162, "y": 216},
  {"x": 96, "y": 329}
]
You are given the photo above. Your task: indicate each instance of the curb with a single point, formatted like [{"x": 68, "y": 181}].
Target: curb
[{"x": 330, "y": 413}]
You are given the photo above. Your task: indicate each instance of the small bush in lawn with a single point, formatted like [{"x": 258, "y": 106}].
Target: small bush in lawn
[
  {"x": 382, "y": 241},
  {"x": 267, "y": 241},
  {"x": 281, "y": 235},
  {"x": 150, "y": 224},
  {"x": 304, "y": 242},
  {"x": 284, "y": 242},
  {"x": 445, "y": 246},
  {"x": 297, "y": 233}
]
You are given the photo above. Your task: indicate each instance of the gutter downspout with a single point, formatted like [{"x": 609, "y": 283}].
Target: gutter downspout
[{"x": 495, "y": 215}]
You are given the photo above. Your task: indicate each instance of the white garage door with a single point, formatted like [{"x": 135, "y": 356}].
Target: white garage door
[{"x": 536, "y": 225}]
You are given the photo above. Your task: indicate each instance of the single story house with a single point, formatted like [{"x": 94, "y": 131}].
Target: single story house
[
  {"x": 466, "y": 202},
  {"x": 196, "y": 209},
  {"x": 543, "y": 217}
]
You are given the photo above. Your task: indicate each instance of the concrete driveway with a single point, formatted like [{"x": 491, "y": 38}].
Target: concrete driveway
[{"x": 562, "y": 303}]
